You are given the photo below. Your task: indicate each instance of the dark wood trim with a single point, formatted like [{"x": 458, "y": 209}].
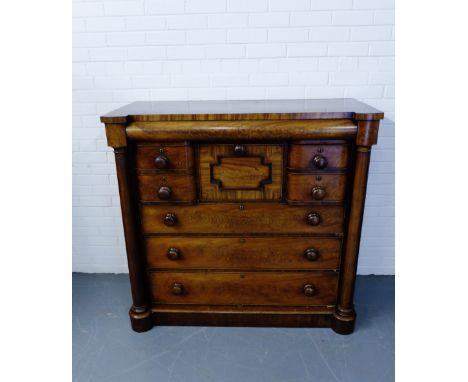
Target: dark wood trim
[
  {"x": 312, "y": 171},
  {"x": 140, "y": 314},
  {"x": 267, "y": 319},
  {"x": 344, "y": 316},
  {"x": 332, "y": 235}
]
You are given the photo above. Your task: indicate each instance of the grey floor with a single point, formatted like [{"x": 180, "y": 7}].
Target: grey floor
[{"x": 106, "y": 349}]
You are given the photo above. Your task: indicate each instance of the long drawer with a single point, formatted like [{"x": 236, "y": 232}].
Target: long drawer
[
  {"x": 242, "y": 218},
  {"x": 175, "y": 252},
  {"x": 244, "y": 288}
]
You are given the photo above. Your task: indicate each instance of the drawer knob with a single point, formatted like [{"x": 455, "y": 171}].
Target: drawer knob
[
  {"x": 309, "y": 290},
  {"x": 177, "y": 289},
  {"x": 318, "y": 193},
  {"x": 240, "y": 150},
  {"x": 311, "y": 254},
  {"x": 164, "y": 193},
  {"x": 319, "y": 161},
  {"x": 161, "y": 162},
  {"x": 174, "y": 254},
  {"x": 170, "y": 219},
  {"x": 313, "y": 218}
]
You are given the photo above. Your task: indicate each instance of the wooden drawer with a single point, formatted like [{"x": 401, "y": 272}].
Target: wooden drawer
[
  {"x": 244, "y": 288},
  {"x": 318, "y": 157},
  {"x": 166, "y": 188},
  {"x": 316, "y": 188},
  {"x": 243, "y": 252},
  {"x": 168, "y": 156},
  {"x": 242, "y": 218},
  {"x": 241, "y": 172}
]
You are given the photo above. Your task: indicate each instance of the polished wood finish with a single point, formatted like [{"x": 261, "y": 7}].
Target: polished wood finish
[
  {"x": 244, "y": 213},
  {"x": 317, "y": 157},
  {"x": 243, "y": 288},
  {"x": 164, "y": 157},
  {"x": 232, "y": 218},
  {"x": 256, "y": 174},
  {"x": 316, "y": 188},
  {"x": 179, "y": 188},
  {"x": 345, "y": 315},
  {"x": 241, "y": 252},
  {"x": 298, "y": 109},
  {"x": 140, "y": 315},
  {"x": 225, "y": 130}
]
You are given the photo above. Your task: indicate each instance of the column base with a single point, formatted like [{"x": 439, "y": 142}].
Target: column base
[
  {"x": 140, "y": 319},
  {"x": 342, "y": 322}
]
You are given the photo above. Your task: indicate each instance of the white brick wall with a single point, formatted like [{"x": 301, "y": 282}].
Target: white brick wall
[{"x": 125, "y": 51}]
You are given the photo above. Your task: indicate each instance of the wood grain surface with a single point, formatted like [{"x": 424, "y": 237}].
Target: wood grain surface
[
  {"x": 242, "y": 252},
  {"x": 242, "y": 218},
  {"x": 182, "y": 187},
  {"x": 180, "y": 156},
  {"x": 244, "y": 288},
  {"x": 291, "y": 109},
  {"x": 227, "y": 130},
  {"x": 258, "y": 175},
  {"x": 300, "y": 187},
  {"x": 301, "y": 155}
]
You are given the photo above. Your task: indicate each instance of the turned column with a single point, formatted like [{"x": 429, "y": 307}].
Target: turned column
[
  {"x": 140, "y": 312},
  {"x": 345, "y": 315}
]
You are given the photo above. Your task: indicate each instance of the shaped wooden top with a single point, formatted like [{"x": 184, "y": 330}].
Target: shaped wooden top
[{"x": 152, "y": 111}]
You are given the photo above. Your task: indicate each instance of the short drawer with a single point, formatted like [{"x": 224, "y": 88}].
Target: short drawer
[
  {"x": 318, "y": 157},
  {"x": 166, "y": 188},
  {"x": 164, "y": 156},
  {"x": 244, "y": 288},
  {"x": 241, "y": 218},
  {"x": 242, "y": 252},
  {"x": 316, "y": 188}
]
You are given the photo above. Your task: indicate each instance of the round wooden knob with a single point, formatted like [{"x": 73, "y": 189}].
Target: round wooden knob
[
  {"x": 311, "y": 254},
  {"x": 177, "y": 289},
  {"x": 313, "y": 218},
  {"x": 170, "y": 219},
  {"x": 164, "y": 193},
  {"x": 309, "y": 290},
  {"x": 319, "y": 161},
  {"x": 161, "y": 162},
  {"x": 318, "y": 193},
  {"x": 174, "y": 254},
  {"x": 240, "y": 150}
]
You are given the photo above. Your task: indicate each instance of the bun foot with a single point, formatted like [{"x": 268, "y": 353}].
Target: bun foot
[
  {"x": 343, "y": 323},
  {"x": 140, "y": 319}
]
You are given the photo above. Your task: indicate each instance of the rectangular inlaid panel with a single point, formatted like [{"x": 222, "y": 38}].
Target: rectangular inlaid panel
[
  {"x": 178, "y": 187},
  {"x": 301, "y": 156},
  {"x": 244, "y": 288},
  {"x": 316, "y": 188},
  {"x": 179, "y": 156},
  {"x": 242, "y": 218},
  {"x": 256, "y": 174},
  {"x": 243, "y": 252}
]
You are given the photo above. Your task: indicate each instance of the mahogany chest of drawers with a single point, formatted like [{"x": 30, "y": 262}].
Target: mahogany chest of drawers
[{"x": 244, "y": 213}]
